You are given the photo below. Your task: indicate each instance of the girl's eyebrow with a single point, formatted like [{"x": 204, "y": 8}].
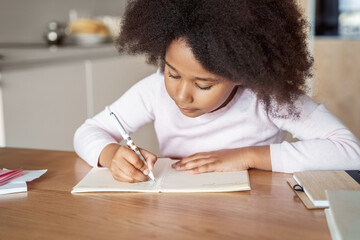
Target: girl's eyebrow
[
  {"x": 170, "y": 66},
  {"x": 197, "y": 78}
]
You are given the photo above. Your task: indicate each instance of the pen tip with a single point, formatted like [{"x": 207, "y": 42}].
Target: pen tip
[{"x": 151, "y": 175}]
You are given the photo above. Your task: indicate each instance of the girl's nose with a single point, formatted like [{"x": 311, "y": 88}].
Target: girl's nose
[{"x": 183, "y": 92}]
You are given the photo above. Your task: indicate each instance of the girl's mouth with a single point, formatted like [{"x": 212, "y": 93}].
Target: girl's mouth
[{"x": 187, "y": 110}]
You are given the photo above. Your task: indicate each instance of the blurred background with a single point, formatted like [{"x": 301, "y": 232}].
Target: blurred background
[{"x": 59, "y": 66}]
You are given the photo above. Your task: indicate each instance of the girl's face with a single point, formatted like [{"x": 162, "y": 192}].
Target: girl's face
[{"x": 194, "y": 90}]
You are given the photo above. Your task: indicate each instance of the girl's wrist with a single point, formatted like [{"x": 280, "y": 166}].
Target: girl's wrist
[
  {"x": 259, "y": 157},
  {"x": 107, "y": 155}
]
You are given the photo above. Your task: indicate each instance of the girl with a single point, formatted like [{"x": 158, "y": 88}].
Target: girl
[{"x": 231, "y": 81}]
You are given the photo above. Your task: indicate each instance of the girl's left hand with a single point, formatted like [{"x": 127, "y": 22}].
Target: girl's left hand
[
  {"x": 218, "y": 161},
  {"x": 226, "y": 160}
]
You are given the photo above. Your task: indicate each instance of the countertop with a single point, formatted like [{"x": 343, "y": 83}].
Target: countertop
[
  {"x": 271, "y": 210},
  {"x": 22, "y": 56}
]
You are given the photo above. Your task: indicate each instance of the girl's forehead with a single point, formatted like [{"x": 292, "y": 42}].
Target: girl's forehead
[{"x": 179, "y": 57}]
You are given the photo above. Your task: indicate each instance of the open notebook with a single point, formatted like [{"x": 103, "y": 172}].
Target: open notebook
[{"x": 167, "y": 180}]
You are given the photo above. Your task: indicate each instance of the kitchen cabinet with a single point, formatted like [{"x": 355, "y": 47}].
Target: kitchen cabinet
[
  {"x": 45, "y": 103},
  {"x": 111, "y": 77}
]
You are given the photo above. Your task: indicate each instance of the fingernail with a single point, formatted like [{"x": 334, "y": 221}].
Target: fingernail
[
  {"x": 177, "y": 167},
  {"x": 146, "y": 172}
]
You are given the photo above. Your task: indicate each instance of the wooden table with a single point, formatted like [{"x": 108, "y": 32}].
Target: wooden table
[{"x": 48, "y": 210}]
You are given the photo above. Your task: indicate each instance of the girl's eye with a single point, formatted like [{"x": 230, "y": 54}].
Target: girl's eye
[
  {"x": 173, "y": 76},
  {"x": 204, "y": 88},
  {"x": 198, "y": 86}
]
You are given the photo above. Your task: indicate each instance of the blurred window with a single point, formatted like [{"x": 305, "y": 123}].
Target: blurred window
[{"x": 337, "y": 18}]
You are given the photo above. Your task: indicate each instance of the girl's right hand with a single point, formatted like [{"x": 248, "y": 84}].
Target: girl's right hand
[{"x": 125, "y": 165}]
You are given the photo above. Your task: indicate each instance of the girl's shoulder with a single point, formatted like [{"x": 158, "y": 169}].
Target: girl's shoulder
[{"x": 304, "y": 105}]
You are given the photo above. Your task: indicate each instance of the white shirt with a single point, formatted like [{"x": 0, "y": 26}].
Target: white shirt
[{"x": 324, "y": 142}]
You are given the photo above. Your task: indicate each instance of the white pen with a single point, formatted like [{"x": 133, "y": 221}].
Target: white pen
[{"x": 128, "y": 140}]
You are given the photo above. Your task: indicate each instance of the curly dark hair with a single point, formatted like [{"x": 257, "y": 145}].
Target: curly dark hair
[{"x": 258, "y": 43}]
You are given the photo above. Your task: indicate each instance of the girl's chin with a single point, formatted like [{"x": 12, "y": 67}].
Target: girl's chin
[{"x": 191, "y": 114}]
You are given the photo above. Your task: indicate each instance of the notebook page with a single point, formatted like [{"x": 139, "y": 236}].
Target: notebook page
[
  {"x": 101, "y": 180},
  {"x": 13, "y": 187},
  {"x": 183, "y": 181}
]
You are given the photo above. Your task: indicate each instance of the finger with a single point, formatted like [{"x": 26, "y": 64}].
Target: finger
[
  {"x": 194, "y": 164},
  {"x": 193, "y": 157},
  {"x": 131, "y": 157},
  {"x": 132, "y": 172},
  {"x": 121, "y": 177},
  {"x": 210, "y": 167},
  {"x": 149, "y": 157},
  {"x": 196, "y": 156},
  {"x": 132, "y": 179},
  {"x": 118, "y": 175}
]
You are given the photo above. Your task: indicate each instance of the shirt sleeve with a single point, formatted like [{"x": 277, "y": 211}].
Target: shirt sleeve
[
  {"x": 134, "y": 109},
  {"x": 325, "y": 143}
]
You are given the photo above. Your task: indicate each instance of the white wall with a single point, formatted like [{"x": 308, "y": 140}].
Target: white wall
[{"x": 2, "y": 126}]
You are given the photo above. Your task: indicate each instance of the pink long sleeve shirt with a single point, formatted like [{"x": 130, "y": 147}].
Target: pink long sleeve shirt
[{"x": 324, "y": 142}]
